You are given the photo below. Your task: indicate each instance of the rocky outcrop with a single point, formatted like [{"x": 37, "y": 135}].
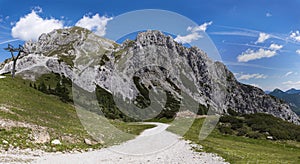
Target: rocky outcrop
[{"x": 134, "y": 68}]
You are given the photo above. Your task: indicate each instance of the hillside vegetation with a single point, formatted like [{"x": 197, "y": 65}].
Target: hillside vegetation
[
  {"x": 243, "y": 149},
  {"x": 259, "y": 125},
  {"x": 25, "y": 105}
]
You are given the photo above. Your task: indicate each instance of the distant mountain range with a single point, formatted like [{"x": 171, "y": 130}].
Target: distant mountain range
[
  {"x": 293, "y": 91},
  {"x": 291, "y": 96}
]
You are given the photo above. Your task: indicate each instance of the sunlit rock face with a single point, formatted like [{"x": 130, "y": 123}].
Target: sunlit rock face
[{"x": 156, "y": 60}]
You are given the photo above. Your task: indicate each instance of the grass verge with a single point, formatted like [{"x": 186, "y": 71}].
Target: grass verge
[{"x": 237, "y": 149}]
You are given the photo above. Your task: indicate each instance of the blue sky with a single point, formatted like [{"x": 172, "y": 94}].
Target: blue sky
[{"x": 258, "y": 40}]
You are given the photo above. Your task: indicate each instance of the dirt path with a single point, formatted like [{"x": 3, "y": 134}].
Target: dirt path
[{"x": 155, "y": 145}]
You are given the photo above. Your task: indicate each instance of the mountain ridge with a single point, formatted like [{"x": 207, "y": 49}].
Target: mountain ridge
[
  {"x": 291, "y": 96},
  {"x": 293, "y": 91},
  {"x": 90, "y": 60}
]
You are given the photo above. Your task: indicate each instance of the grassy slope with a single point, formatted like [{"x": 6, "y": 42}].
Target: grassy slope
[
  {"x": 241, "y": 149},
  {"x": 38, "y": 108},
  {"x": 32, "y": 106}
]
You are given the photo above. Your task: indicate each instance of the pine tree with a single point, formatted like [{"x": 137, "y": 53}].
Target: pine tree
[
  {"x": 64, "y": 94},
  {"x": 49, "y": 89},
  {"x": 42, "y": 87},
  {"x": 58, "y": 89}
]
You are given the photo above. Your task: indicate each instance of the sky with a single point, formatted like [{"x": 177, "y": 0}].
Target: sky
[{"x": 258, "y": 40}]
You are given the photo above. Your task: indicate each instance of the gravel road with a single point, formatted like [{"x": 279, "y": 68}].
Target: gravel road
[{"x": 155, "y": 145}]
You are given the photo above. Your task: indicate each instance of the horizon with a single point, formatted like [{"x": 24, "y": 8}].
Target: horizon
[{"x": 283, "y": 90}]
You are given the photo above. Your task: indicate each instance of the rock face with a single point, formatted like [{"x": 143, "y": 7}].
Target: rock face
[{"x": 133, "y": 69}]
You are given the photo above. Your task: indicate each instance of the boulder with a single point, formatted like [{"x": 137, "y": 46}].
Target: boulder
[{"x": 55, "y": 142}]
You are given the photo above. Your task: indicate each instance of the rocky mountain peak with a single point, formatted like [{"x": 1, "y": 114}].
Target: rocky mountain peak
[
  {"x": 153, "y": 37},
  {"x": 128, "y": 70},
  {"x": 57, "y": 39}
]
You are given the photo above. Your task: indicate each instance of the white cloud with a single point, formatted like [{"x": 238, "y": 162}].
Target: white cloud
[
  {"x": 187, "y": 38},
  {"x": 253, "y": 55},
  {"x": 298, "y": 52},
  {"x": 260, "y": 53},
  {"x": 95, "y": 23},
  {"x": 234, "y": 33},
  {"x": 194, "y": 35},
  {"x": 275, "y": 47},
  {"x": 295, "y": 36},
  {"x": 262, "y": 37},
  {"x": 256, "y": 85},
  {"x": 31, "y": 26},
  {"x": 202, "y": 27},
  {"x": 288, "y": 73},
  {"x": 9, "y": 41},
  {"x": 292, "y": 84},
  {"x": 251, "y": 76},
  {"x": 268, "y": 14}
]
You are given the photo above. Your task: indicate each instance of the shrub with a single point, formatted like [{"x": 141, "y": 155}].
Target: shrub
[
  {"x": 254, "y": 135},
  {"x": 256, "y": 125},
  {"x": 232, "y": 112},
  {"x": 225, "y": 130},
  {"x": 202, "y": 110},
  {"x": 108, "y": 106},
  {"x": 242, "y": 131},
  {"x": 230, "y": 119}
]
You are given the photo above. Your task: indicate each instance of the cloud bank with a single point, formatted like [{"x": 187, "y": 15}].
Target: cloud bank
[
  {"x": 31, "y": 26},
  {"x": 95, "y": 23},
  {"x": 250, "y": 54}
]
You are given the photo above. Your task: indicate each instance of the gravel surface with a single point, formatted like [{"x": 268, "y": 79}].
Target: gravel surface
[{"x": 155, "y": 145}]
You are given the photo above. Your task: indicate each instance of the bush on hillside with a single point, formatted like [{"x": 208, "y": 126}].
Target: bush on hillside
[{"x": 259, "y": 125}]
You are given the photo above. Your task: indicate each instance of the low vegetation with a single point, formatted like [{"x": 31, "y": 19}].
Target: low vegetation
[
  {"x": 171, "y": 107},
  {"x": 243, "y": 149},
  {"x": 108, "y": 106},
  {"x": 259, "y": 125},
  {"x": 24, "y": 104},
  {"x": 54, "y": 84}
]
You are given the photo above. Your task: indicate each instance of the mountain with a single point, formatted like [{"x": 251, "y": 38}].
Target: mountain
[
  {"x": 151, "y": 76},
  {"x": 277, "y": 91},
  {"x": 292, "y": 97},
  {"x": 267, "y": 92},
  {"x": 292, "y": 91}
]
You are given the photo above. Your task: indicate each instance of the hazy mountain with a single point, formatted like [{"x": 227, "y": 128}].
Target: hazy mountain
[
  {"x": 139, "y": 70},
  {"x": 267, "y": 92},
  {"x": 293, "y": 91},
  {"x": 292, "y": 97}
]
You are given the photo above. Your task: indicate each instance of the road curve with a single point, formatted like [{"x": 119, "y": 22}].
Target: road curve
[{"x": 155, "y": 145}]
